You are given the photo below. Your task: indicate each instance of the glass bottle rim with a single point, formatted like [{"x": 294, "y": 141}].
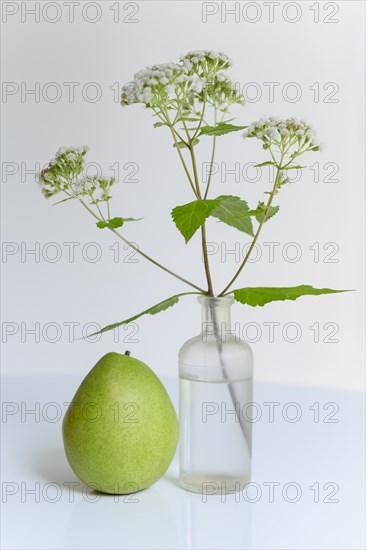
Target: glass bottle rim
[{"x": 217, "y": 301}]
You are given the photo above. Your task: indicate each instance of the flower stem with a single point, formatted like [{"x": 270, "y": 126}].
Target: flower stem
[
  {"x": 201, "y": 117},
  {"x": 211, "y": 161},
  {"x": 278, "y": 175},
  {"x": 174, "y": 134},
  {"x": 157, "y": 263},
  {"x": 183, "y": 162},
  {"x": 145, "y": 255},
  {"x": 210, "y": 291},
  {"x": 203, "y": 226}
]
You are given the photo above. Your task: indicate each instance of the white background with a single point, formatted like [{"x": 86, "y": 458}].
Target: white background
[
  {"x": 304, "y": 52},
  {"x": 106, "y": 53}
]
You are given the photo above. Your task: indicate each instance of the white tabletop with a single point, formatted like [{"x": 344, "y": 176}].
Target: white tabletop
[{"x": 314, "y": 459}]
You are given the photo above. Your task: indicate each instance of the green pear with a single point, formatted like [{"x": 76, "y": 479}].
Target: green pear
[{"x": 120, "y": 431}]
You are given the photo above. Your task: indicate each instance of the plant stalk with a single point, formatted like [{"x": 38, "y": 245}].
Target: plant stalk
[
  {"x": 210, "y": 291},
  {"x": 278, "y": 175},
  {"x": 145, "y": 255}
]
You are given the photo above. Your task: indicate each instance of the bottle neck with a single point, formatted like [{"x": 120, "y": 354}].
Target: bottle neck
[{"x": 216, "y": 317}]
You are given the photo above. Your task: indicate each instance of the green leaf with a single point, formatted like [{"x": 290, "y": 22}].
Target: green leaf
[
  {"x": 263, "y": 295},
  {"x": 183, "y": 144},
  {"x": 189, "y": 217},
  {"x": 267, "y": 163},
  {"x": 260, "y": 211},
  {"x": 158, "y": 124},
  {"x": 235, "y": 212},
  {"x": 220, "y": 129},
  {"x": 115, "y": 222},
  {"x": 271, "y": 211},
  {"x": 161, "y": 306},
  {"x": 294, "y": 167}
]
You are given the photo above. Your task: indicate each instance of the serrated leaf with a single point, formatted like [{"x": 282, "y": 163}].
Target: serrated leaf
[
  {"x": 220, "y": 129},
  {"x": 260, "y": 211},
  {"x": 184, "y": 145},
  {"x": 263, "y": 295},
  {"x": 271, "y": 211},
  {"x": 157, "y": 308},
  {"x": 267, "y": 163},
  {"x": 190, "y": 217},
  {"x": 180, "y": 145},
  {"x": 115, "y": 222},
  {"x": 234, "y": 211}
]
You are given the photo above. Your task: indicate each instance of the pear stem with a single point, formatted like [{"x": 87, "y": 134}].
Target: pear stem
[{"x": 127, "y": 352}]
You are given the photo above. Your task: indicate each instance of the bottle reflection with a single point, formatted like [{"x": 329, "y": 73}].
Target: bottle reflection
[
  {"x": 216, "y": 521},
  {"x": 164, "y": 516}
]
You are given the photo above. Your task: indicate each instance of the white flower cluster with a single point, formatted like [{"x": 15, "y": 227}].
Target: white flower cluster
[
  {"x": 199, "y": 71},
  {"x": 62, "y": 169},
  {"x": 69, "y": 154},
  {"x": 280, "y": 132},
  {"x": 158, "y": 79},
  {"x": 222, "y": 91},
  {"x": 204, "y": 60},
  {"x": 84, "y": 186}
]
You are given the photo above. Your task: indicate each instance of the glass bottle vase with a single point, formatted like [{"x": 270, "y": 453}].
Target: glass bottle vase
[{"x": 216, "y": 388}]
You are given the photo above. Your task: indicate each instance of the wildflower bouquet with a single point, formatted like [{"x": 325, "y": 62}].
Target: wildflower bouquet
[{"x": 192, "y": 100}]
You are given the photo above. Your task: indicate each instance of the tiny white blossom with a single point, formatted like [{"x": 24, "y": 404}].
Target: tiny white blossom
[
  {"x": 61, "y": 151},
  {"x": 77, "y": 188},
  {"x": 225, "y": 58},
  {"x": 197, "y": 85},
  {"x": 169, "y": 89},
  {"x": 273, "y": 134},
  {"x": 89, "y": 185},
  {"x": 46, "y": 176},
  {"x": 187, "y": 64},
  {"x": 221, "y": 77},
  {"x": 310, "y": 133},
  {"x": 147, "y": 95}
]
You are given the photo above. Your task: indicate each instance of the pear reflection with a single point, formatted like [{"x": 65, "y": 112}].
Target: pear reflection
[{"x": 143, "y": 520}]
